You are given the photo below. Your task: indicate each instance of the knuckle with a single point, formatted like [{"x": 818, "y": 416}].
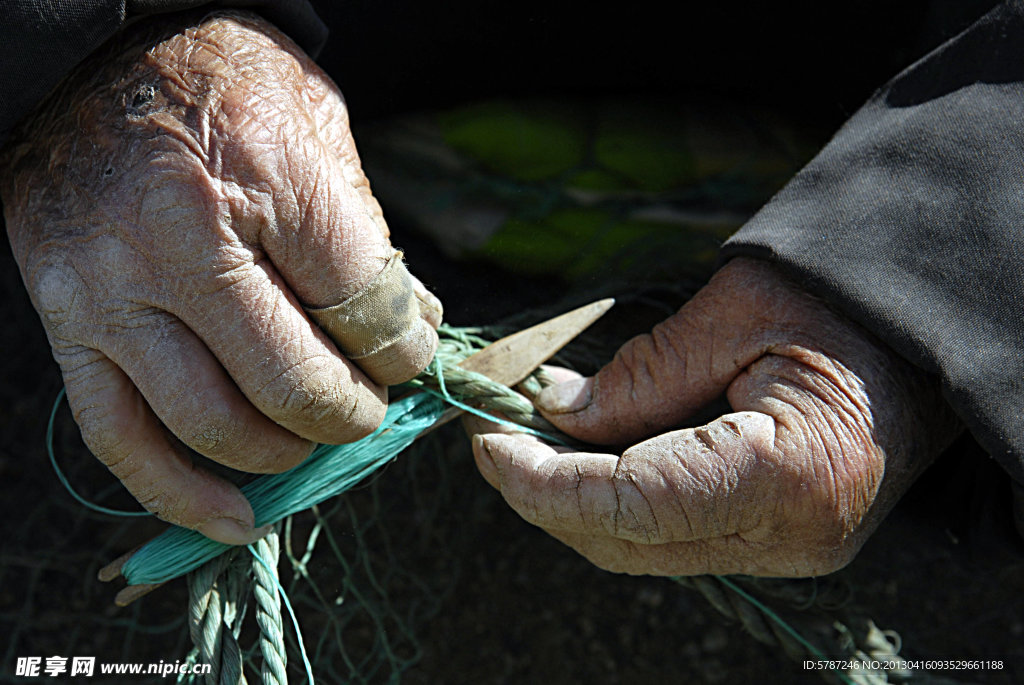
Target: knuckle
[
  {"x": 170, "y": 504},
  {"x": 80, "y": 366},
  {"x": 825, "y": 543},
  {"x": 55, "y": 290},
  {"x": 161, "y": 499},
  {"x": 164, "y": 498},
  {"x": 112, "y": 451},
  {"x": 827, "y": 555},
  {"x": 631, "y": 366}
]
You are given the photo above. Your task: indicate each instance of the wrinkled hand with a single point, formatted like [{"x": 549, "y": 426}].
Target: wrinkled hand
[
  {"x": 172, "y": 208},
  {"x": 830, "y": 428}
]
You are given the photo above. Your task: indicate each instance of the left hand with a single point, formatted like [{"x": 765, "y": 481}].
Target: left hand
[
  {"x": 176, "y": 207},
  {"x": 829, "y": 429}
]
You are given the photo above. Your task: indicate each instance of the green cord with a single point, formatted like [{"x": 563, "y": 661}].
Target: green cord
[
  {"x": 291, "y": 612},
  {"x": 329, "y": 471},
  {"x": 481, "y": 413},
  {"x": 63, "y": 479}
]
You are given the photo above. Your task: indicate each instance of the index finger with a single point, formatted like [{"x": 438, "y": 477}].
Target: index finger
[{"x": 291, "y": 197}]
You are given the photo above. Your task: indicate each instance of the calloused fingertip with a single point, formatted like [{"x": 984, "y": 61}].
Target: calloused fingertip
[
  {"x": 485, "y": 462},
  {"x": 567, "y": 398},
  {"x": 560, "y": 374}
]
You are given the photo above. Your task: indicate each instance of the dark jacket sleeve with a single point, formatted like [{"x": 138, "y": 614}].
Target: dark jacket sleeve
[
  {"x": 911, "y": 220},
  {"x": 42, "y": 40}
]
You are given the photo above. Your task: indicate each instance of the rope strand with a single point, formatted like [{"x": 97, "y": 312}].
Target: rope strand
[{"x": 268, "y": 611}]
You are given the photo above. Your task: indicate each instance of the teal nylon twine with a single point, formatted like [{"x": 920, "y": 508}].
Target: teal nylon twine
[
  {"x": 330, "y": 470},
  {"x": 63, "y": 479}
]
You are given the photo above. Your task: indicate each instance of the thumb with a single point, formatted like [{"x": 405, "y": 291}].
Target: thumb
[{"x": 659, "y": 379}]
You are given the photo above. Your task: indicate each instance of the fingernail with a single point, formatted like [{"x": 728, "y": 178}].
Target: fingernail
[
  {"x": 431, "y": 308},
  {"x": 485, "y": 462},
  {"x": 231, "y": 531},
  {"x": 568, "y": 397}
]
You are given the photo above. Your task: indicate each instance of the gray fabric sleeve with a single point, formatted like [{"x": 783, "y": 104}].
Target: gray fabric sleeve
[{"x": 911, "y": 221}]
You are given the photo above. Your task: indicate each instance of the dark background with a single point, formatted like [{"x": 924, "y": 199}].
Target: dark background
[
  {"x": 517, "y": 607},
  {"x": 821, "y": 60}
]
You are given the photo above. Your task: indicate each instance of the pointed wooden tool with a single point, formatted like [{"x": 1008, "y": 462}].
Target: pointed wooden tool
[{"x": 511, "y": 359}]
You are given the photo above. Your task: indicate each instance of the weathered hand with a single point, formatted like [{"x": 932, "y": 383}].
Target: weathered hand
[
  {"x": 172, "y": 209},
  {"x": 829, "y": 430}
]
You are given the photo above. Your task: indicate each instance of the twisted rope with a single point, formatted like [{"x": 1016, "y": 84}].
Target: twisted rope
[
  {"x": 485, "y": 393},
  {"x": 268, "y": 611},
  {"x": 212, "y": 609},
  {"x": 217, "y": 607}
]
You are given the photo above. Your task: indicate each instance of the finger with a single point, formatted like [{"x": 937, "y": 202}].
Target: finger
[
  {"x": 121, "y": 430},
  {"x": 544, "y": 377},
  {"x": 333, "y": 127},
  {"x": 380, "y": 325},
  {"x": 482, "y": 455},
  {"x": 193, "y": 396},
  {"x": 328, "y": 243},
  {"x": 562, "y": 491},
  {"x": 657, "y": 380},
  {"x": 330, "y": 112},
  {"x": 720, "y": 515},
  {"x": 695, "y": 484},
  {"x": 283, "y": 364}
]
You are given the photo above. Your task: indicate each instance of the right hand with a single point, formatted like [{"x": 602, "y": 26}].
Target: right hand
[
  {"x": 828, "y": 429},
  {"x": 171, "y": 208}
]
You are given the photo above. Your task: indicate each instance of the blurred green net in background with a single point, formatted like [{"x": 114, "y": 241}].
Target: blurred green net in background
[{"x": 630, "y": 192}]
